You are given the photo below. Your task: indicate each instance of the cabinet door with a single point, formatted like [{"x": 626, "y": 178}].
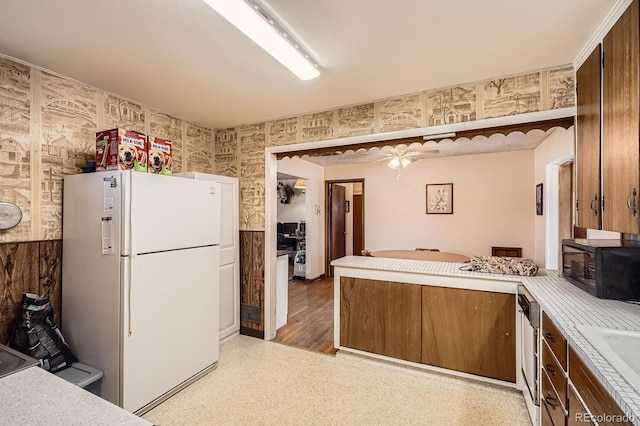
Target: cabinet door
[
  {"x": 620, "y": 144},
  {"x": 596, "y": 398},
  {"x": 469, "y": 330},
  {"x": 588, "y": 142},
  {"x": 578, "y": 413},
  {"x": 380, "y": 317}
]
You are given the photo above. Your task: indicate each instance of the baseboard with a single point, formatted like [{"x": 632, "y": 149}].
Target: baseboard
[
  {"x": 252, "y": 333},
  {"x": 313, "y": 280},
  {"x": 229, "y": 337}
]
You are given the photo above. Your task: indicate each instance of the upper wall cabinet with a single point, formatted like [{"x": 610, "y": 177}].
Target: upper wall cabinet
[
  {"x": 621, "y": 125},
  {"x": 588, "y": 142}
]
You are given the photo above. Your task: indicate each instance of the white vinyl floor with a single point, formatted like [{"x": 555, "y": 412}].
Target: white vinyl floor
[{"x": 265, "y": 383}]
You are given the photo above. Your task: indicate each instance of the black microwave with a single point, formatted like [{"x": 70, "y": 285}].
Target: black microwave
[{"x": 607, "y": 269}]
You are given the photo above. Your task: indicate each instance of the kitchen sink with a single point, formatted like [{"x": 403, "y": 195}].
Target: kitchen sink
[
  {"x": 12, "y": 361},
  {"x": 619, "y": 347}
]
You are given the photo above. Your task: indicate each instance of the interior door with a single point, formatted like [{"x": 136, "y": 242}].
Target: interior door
[
  {"x": 337, "y": 238},
  {"x": 358, "y": 224},
  {"x": 229, "y": 258}
]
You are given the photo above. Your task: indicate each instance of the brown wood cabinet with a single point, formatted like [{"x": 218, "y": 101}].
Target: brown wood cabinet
[
  {"x": 554, "y": 372},
  {"x": 588, "y": 97},
  {"x": 621, "y": 124},
  {"x": 381, "y": 317},
  {"x": 545, "y": 416},
  {"x": 597, "y": 401},
  {"x": 470, "y": 331},
  {"x": 556, "y": 341},
  {"x": 577, "y": 411},
  {"x": 464, "y": 330},
  {"x": 578, "y": 400},
  {"x": 506, "y": 251},
  {"x": 551, "y": 401}
]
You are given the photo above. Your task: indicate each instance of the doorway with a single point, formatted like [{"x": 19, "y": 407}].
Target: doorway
[{"x": 345, "y": 220}]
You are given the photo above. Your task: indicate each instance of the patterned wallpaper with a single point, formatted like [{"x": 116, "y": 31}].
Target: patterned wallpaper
[
  {"x": 529, "y": 92},
  {"x": 47, "y": 130},
  {"x": 48, "y": 125}
]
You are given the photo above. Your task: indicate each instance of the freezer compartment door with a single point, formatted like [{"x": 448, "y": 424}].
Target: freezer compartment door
[
  {"x": 170, "y": 322},
  {"x": 168, "y": 213}
]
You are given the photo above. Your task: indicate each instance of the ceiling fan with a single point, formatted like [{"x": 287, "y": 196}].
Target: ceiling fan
[{"x": 402, "y": 156}]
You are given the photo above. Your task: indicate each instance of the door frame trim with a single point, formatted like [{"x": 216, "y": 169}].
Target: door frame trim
[{"x": 327, "y": 218}]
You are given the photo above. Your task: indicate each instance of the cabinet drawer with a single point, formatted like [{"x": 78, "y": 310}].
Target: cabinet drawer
[
  {"x": 596, "y": 398},
  {"x": 545, "y": 417},
  {"x": 555, "y": 372},
  {"x": 555, "y": 340},
  {"x": 551, "y": 401}
]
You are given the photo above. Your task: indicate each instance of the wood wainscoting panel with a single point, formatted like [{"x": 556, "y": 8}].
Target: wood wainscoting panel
[
  {"x": 381, "y": 317},
  {"x": 18, "y": 274},
  {"x": 252, "y": 279},
  {"x": 50, "y": 274},
  {"x": 470, "y": 331}
]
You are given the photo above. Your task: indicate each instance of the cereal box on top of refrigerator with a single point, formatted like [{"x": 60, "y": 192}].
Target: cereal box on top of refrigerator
[
  {"x": 121, "y": 149},
  {"x": 159, "y": 156}
]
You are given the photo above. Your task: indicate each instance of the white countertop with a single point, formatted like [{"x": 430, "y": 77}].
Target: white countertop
[
  {"x": 449, "y": 269},
  {"x": 567, "y": 305},
  {"x": 36, "y": 397}
]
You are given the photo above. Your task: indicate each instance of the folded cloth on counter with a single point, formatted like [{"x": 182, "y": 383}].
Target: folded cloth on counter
[{"x": 501, "y": 265}]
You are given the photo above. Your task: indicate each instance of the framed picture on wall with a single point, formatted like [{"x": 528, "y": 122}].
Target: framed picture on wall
[
  {"x": 539, "y": 199},
  {"x": 440, "y": 198}
]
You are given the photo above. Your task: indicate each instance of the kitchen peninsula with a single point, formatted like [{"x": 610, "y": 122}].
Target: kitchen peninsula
[
  {"x": 427, "y": 314},
  {"x": 433, "y": 315}
]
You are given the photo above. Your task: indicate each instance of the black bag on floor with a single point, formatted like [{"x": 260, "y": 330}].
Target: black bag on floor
[{"x": 37, "y": 335}]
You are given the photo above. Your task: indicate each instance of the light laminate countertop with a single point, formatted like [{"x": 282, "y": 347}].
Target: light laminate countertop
[
  {"x": 567, "y": 306},
  {"x": 36, "y": 397}
]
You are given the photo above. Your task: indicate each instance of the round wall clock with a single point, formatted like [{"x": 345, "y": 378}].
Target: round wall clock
[{"x": 10, "y": 215}]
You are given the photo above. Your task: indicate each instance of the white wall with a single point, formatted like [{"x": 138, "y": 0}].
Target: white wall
[
  {"x": 296, "y": 210},
  {"x": 314, "y": 195},
  {"x": 492, "y": 203},
  {"x": 551, "y": 152}
]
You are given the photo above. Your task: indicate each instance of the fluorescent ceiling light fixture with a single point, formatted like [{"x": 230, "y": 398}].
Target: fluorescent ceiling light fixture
[
  {"x": 266, "y": 33},
  {"x": 439, "y": 136}
]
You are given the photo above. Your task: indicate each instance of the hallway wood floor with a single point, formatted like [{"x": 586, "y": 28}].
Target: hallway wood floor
[{"x": 310, "y": 320}]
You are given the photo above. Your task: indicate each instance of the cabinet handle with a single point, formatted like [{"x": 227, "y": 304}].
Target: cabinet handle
[
  {"x": 549, "y": 400},
  {"x": 549, "y": 336},
  {"x": 632, "y": 208},
  {"x": 595, "y": 210},
  {"x": 550, "y": 369}
]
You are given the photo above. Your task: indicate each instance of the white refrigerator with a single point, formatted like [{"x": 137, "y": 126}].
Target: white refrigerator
[{"x": 140, "y": 278}]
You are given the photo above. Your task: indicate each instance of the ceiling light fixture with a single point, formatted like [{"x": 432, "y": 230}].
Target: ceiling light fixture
[
  {"x": 439, "y": 136},
  {"x": 256, "y": 24},
  {"x": 399, "y": 160},
  {"x": 300, "y": 184}
]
